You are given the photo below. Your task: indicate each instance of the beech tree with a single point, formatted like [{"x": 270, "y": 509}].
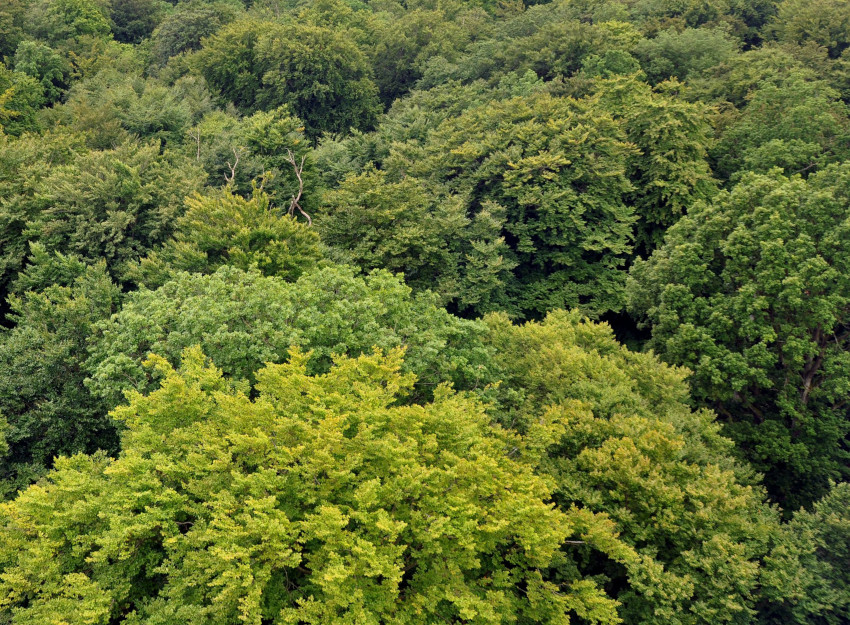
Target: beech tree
[
  {"x": 679, "y": 526},
  {"x": 245, "y": 319},
  {"x": 113, "y": 205},
  {"x": 557, "y": 167},
  {"x": 320, "y": 501},
  {"x": 226, "y": 229},
  {"x": 751, "y": 292},
  {"x": 806, "y": 573},
  {"x": 47, "y": 408},
  {"x": 320, "y": 73}
]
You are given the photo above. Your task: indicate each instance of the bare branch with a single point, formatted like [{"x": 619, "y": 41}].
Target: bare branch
[
  {"x": 237, "y": 153},
  {"x": 294, "y": 203},
  {"x": 197, "y": 137}
]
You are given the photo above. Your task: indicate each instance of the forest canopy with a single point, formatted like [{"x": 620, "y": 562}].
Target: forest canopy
[{"x": 457, "y": 311}]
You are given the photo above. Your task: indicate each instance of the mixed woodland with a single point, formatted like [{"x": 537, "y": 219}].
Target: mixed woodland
[{"x": 411, "y": 312}]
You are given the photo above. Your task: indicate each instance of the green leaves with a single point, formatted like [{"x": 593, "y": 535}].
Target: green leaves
[
  {"x": 225, "y": 229},
  {"x": 750, "y": 292},
  {"x": 318, "y": 72},
  {"x": 670, "y": 522},
  {"x": 246, "y": 319},
  {"x": 47, "y": 408},
  {"x": 317, "y": 502},
  {"x": 564, "y": 217}
]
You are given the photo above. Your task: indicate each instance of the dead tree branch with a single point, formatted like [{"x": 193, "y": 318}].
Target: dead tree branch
[
  {"x": 236, "y": 153},
  {"x": 294, "y": 203}
]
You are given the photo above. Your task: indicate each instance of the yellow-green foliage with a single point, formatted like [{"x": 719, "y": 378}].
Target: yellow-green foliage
[
  {"x": 691, "y": 530},
  {"x": 318, "y": 502}
]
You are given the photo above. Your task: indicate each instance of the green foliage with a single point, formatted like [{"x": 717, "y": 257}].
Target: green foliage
[
  {"x": 545, "y": 41},
  {"x": 62, "y": 21},
  {"x": 814, "y": 549},
  {"x": 4, "y": 429},
  {"x": 114, "y": 205},
  {"x": 318, "y": 502},
  {"x": 404, "y": 43},
  {"x": 22, "y": 171},
  {"x": 735, "y": 79},
  {"x": 750, "y": 291},
  {"x": 184, "y": 27},
  {"x": 225, "y": 229},
  {"x": 414, "y": 228},
  {"x": 20, "y": 98},
  {"x": 684, "y": 54},
  {"x": 134, "y": 20},
  {"x": 45, "y": 65},
  {"x": 471, "y": 162},
  {"x": 12, "y": 19},
  {"x": 565, "y": 220},
  {"x": 257, "y": 150},
  {"x": 676, "y": 530},
  {"x": 496, "y": 156},
  {"x": 318, "y": 72},
  {"x": 42, "y": 396},
  {"x": 798, "y": 125},
  {"x": 671, "y": 170},
  {"x": 111, "y": 107},
  {"x": 824, "y": 22},
  {"x": 245, "y": 319}
]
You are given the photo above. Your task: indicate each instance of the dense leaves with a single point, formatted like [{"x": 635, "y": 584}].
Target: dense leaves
[
  {"x": 679, "y": 529},
  {"x": 317, "y": 502},
  {"x": 223, "y": 183},
  {"x": 751, "y": 292},
  {"x": 245, "y": 319},
  {"x": 47, "y": 407},
  {"x": 322, "y": 75}
]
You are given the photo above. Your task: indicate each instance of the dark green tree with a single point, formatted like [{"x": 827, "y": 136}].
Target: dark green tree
[
  {"x": 114, "y": 205},
  {"x": 47, "y": 407},
  {"x": 183, "y": 28},
  {"x": 35, "y": 59},
  {"x": 806, "y": 574},
  {"x": 752, "y": 293},
  {"x": 134, "y": 20},
  {"x": 20, "y": 98},
  {"x": 798, "y": 125},
  {"x": 415, "y": 228},
  {"x": 557, "y": 167},
  {"x": 22, "y": 168},
  {"x": 319, "y": 73},
  {"x": 824, "y": 22}
]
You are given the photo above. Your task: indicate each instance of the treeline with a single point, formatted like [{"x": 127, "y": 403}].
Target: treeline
[{"x": 343, "y": 311}]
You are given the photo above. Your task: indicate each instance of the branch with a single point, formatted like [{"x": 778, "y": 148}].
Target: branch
[
  {"x": 237, "y": 154},
  {"x": 294, "y": 203}
]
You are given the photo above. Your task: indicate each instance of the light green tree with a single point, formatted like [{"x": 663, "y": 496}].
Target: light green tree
[
  {"x": 320, "y": 501},
  {"x": 226, "y": 229},
  {"x": 686, "y": 526}
]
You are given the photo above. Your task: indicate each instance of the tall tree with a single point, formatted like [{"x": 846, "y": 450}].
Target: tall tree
[
  {"x": 320, "y": 501},
  {"x": 47, "y": 407},
  {"x": 752, "y": 292}
]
